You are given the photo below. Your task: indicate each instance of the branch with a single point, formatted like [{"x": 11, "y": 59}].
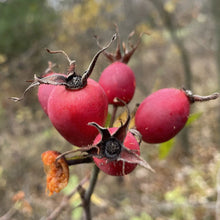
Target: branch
[
  {"x": 86, "y": 195},
  {"x": 8, "y": 215},
  {"x": 198, "y": 98},
  {"x": 65, "y": 201},
  {"x": 217, "y": 206}
]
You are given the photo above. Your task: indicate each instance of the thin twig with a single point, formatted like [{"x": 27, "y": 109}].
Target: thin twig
[
  {"x": 198, "y": 98},
  {"x": 86, "y": 195},
  {"x": 217, "y": 206},
  {"x": 8, "y": 215},
  {"x": 65, "y": 201},
  {"x": 92, "y": 183},
  {"x": 79, "y": 160}
]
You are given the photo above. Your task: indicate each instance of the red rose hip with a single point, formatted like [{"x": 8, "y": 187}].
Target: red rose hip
[
  {"x": 115, "y": 167},
  {"x": 70, "y": 111},
  {"x": 44, "y": 91},
  {"x": 75, "y": 101},
  {"x": 116, "y": 151},
  {"x": 118, "y": 81},
  {"x": 162, "y": 115}
]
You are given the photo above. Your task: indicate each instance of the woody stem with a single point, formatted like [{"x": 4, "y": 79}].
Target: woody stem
[
  {"x": 86, "y": 199},
  {"x": 88, "y": 193},
  {"x": 198, "y": 98}
]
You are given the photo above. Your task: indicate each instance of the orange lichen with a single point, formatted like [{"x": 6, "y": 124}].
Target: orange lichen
[{"x": 57, "y": 171}]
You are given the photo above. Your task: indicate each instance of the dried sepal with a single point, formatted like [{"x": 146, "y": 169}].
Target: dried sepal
[
  {"x": 113, "y": 147},
  {"x": 137, "y": 135},
  {"x": 54, "y": 79},
  {"x": 121, "y": 132},
  {"x": 103, "y": 131},
  {"x": 130, "y": 156},
  {"x": 49, "y": 68},
  {"x": 57, "y": 171},
  {"x": 72, "y": 80},
  {"x": 125, "y": 54}
]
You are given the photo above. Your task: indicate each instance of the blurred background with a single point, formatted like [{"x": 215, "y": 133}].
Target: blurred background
[{"x": 181, "y": 49}]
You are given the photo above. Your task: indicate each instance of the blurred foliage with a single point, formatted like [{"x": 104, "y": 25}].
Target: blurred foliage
[
  {"x": 23, "y": 24},
  {"x": 177, "y": 198},
  {"x": 143, "y": 216},
  {"x": 183, "y": 187},
  {"x": 75, "y": 200}
]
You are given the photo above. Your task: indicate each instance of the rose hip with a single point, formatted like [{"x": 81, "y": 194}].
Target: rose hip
[
  {"x": 114, "y": 167},
  {"x": 162, "y": 115}
]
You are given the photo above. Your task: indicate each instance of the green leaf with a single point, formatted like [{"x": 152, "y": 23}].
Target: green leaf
[
  {"x": 165, "y": 148},
  {"x": 193, "y": 117}
]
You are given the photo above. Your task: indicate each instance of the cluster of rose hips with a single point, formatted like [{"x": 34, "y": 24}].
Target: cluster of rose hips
[{"x": 77, "y": 106}]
